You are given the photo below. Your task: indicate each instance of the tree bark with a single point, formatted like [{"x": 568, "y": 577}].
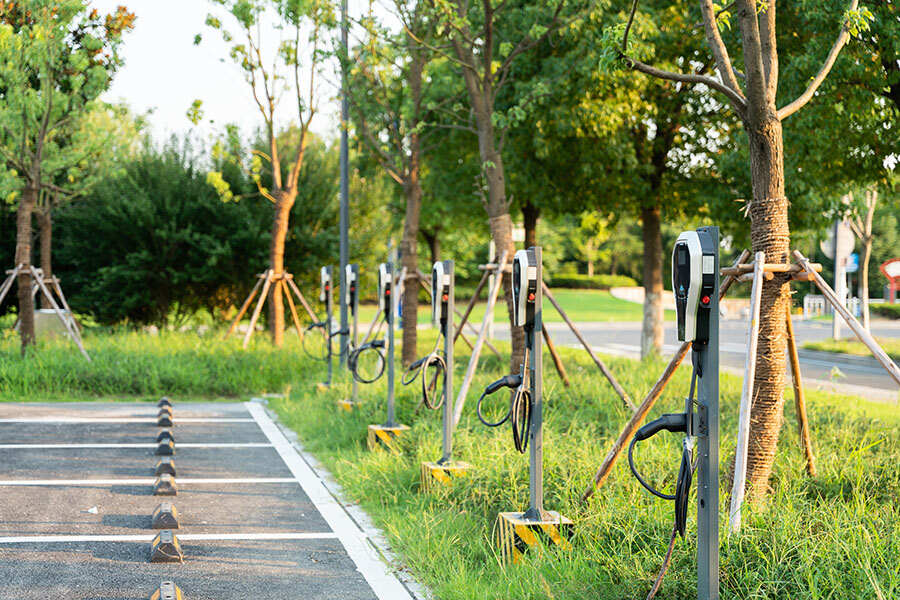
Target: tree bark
[
  {"x": 280, "y": 223},
  {"x": 23, "y": 258},
  {"x": 770, "y": 233},
  {"x": 864, "y": 280},
  {"x": 45, "y": 221},
  {"x": 652, "y": 327},
  {"x": 530, "y": 216},
  {"x": 410, "y": 255},
  {"x": 433, "y": 239}
]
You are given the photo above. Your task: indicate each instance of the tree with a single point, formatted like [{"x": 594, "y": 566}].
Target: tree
[
  {"x": 386, "y": 96},
  {"x": 861, "y": 225},
  {"x": 752, "y": 94},
  {"x": 294, "y": 68},
  {"x": 55, "y": 58}
]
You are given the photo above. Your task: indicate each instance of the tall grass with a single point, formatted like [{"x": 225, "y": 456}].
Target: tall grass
[
  {"x": 135, "y": 364},
  {"x": 836, "y": 536}
]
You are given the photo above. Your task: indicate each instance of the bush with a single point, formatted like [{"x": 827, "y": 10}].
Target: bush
[
  {"x": 597, "y": 282},
  {"x": 891, "y": 311}
]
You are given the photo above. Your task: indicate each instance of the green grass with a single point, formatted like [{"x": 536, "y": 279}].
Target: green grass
[
  {"x": 131, "y": 365},
  {"x": 855, "y": 347},
  {"x": 580, "y": 305},
  {"x": 836, "y": 536}
]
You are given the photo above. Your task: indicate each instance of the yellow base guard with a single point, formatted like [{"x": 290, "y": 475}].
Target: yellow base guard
[
  {"x": 167, "y": 590},
  {"x": 381, "y": 436},
  {"x": 347, "y": 405},
  {"x": 514, "y": 535},
  {"x": 435, "y": 475}
]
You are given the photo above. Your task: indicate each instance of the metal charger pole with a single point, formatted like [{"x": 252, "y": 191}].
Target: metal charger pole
[
  {"x": 535, "y": 510},
  {"x": 392, "y": 311},
  {"x": 708, "y": 448},
  {"x": 327, "y": 297},
  {"x": 448, "y": 333},
  {"x": 351, "y": 304}
]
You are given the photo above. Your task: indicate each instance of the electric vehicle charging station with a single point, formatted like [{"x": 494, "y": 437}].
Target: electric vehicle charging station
[
  {"x": 516, "y": 531},
  {"x": 443, "y": 284},
  {"x": 350, "y": 302},
  {"x": 386, "y": 434},
  {"x": 695, "y": 282},
  {"x": 326, "y": 295}
]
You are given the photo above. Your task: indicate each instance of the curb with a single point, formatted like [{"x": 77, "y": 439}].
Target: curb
[{"x": 840, "y": 358}]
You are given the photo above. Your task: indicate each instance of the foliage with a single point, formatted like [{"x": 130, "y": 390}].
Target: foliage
[
  {"x": 595, "y": 282},
  {"x": 889, "y": 345},
  {"x": 891, "y": 311}
]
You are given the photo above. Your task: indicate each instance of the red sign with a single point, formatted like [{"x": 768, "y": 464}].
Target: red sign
[{"x": 891, "y": 270}]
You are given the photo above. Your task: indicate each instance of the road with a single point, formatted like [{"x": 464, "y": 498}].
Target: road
[{"x": 859, "y": 376}]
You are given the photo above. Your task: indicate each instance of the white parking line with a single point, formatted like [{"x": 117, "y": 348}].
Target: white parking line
[
  {"x": 379, "y": 577},
  {"x": 149, "y": 420},
  {"x": 143, "y": 481},
  {"x": 187, "y": 537},
  {"x": 177, "y": 446}
]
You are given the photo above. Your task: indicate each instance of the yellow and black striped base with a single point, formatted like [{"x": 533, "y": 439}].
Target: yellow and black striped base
[
  {"x": 514, "y": 534},
  {"x": 384, "y": 437},
  {"x": 347, "y": 405},
  {"x": 165, "y": 548},
  {"x": 435, "y": 475}
]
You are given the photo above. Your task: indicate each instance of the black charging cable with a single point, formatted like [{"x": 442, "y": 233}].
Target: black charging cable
[
  {"x": 353, "y": 361},
  {"x": 430, "y": 367},
  {"x": 676, "y": 423},
  {"x": 520, "y": 405}
]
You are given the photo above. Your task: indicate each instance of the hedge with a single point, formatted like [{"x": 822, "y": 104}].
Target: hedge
[
  {"x": 891, "y": 311},
  {"x": 596, "y": 282}
]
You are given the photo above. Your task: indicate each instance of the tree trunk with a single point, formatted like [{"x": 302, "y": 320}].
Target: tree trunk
[
  {"x": 280, "y": 225},
  {"x": 530, "y": 215},
  {"x": 652, "y": 328},
  {"x": 410, "y": 256},
  {"x": 433, "y": 240},
  {"x": 589, "y": 251},
  {"x": 769, "y": 233},
  {"x": 45, "y": 220},
  {"x": 23, "y": 258}
]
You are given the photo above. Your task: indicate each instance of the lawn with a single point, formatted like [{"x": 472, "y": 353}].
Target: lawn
[
  {"x": 580, "y": 305},
  {"x": 835, "y": 536},
  {"x": 855, "y": 347}
]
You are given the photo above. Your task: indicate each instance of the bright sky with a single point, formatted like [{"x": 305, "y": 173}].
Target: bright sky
[{"x": 164, "y": 71}]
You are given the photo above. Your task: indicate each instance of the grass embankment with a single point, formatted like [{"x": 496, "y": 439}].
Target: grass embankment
[
  {"x": 837, "y": 536},
  {"x": 580, "y": 306},
  {"x": 855, "y": 347},
  {"x": 130, "y": 365}
]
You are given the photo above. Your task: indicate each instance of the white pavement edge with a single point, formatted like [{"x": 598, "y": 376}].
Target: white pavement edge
[
  {"x": 355, "y": 541},
  {"x": 186, "y": 537}
]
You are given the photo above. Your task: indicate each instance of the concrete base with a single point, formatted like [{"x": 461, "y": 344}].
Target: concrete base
[
  {"x": 384, "y": 437},
  {"x": 435, "y": 475},
  {"x": 515, "y": 534}
]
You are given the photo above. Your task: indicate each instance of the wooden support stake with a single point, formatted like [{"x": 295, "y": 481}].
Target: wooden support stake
[
  {"x": 864, "y": 336},
  {"x": 290, "y": 300},
  {"x": 465, "y": 317},
  {"x": 557, "y": 361},
  {"x": 640, "y": 414},
  {"x": 246, "y": 304},
  {"x": 479, "y": 342},
  {"x": 799, "y": 400},
  {"x": 69, "y": 327},
  {"x": 293, "y": 285},
  {"x": 600, "y": 364},
  {"x": 258, "y": 309},
  {"x": 372, "y": 327},
  {"x": 743, "y": 435}
]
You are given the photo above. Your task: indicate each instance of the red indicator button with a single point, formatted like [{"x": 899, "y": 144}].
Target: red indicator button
[
  {"x": 531, "y": 297},
  {"x": 705, "y": 299},
  {"x": 387, "y": 292},
  {"x": 445, "y": 297}
]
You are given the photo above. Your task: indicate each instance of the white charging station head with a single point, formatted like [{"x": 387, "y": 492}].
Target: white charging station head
[
  {"x": 687, "y": 279},
  {"x": 440, "y": 287},
  {"x": 349, "y": 284},
  {"x": 325, "y": 279},
  {"x": 384, "y": 284},
  {"x": 524, "y": 277}
]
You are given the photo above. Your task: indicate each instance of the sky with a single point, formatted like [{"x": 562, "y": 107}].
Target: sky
[{"x": 165, "y": 72}]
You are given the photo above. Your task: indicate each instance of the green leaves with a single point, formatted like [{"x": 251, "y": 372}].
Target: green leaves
[
  {"x": 195, "y": 112},
  {"x": 858, "y": 21}
]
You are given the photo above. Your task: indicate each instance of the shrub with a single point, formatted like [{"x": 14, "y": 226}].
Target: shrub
[
  {"x": 891, "y": 311},
  {"x": 596, "y": 282}
]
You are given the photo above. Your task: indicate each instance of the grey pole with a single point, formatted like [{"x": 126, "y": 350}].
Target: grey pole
[
  {"x": 345, "y": 183},
  {"x": 708, "y": 448},
  {"x": 536, "y": 442},
  {"x": 329, "y": 312},
  {"x": 354, "y": 297},
  {"x": 449, "y": 334},
  {"x": 390, "y": 349}
]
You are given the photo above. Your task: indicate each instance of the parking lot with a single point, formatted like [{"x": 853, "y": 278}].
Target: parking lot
[{"x": 254, "y": 520}]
